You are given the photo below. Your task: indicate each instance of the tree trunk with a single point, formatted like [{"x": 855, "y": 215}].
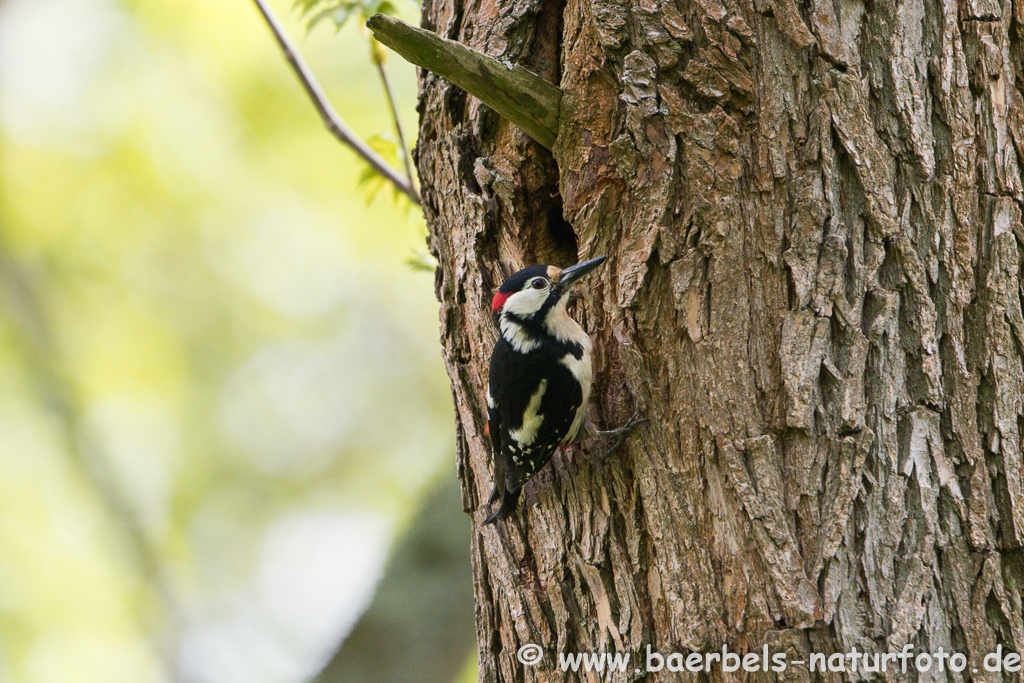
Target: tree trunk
[{"x": 813, "y": 221}]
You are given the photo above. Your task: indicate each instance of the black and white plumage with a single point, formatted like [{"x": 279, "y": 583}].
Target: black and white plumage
[{"x": 540, "y": 377}]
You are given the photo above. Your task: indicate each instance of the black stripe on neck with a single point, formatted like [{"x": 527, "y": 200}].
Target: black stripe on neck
[
  {"x": 530, "y": 324},
  {"x": 534, "y": 327}
]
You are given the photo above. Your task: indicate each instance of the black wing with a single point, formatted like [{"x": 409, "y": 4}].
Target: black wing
[
  {"x": 494, "y": 430},
  {"x": 514, "y": 379}
]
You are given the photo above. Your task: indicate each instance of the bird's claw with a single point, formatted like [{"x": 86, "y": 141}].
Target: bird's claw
[
  {"x": 621, "y": 433},
  {"x": 633, "y": 422}
]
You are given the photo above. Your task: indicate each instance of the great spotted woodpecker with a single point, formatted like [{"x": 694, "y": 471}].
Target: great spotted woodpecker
[{"x": 540, "y": 378}]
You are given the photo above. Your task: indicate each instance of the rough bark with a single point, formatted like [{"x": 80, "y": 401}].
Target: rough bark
[{"x": 812, "y": 215}]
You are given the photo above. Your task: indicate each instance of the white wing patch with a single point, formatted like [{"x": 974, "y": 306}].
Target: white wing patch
[
  {"x": 583, "y": 370},
  {"x": 532, "y": 420},
  {"x": 490, "y": 399}
]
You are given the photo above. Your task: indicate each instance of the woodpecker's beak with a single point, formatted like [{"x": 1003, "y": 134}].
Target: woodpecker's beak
[{"x": 573, "y": 273}]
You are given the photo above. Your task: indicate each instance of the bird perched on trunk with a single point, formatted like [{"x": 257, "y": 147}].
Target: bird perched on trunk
[{"x": 540, "y": 378}]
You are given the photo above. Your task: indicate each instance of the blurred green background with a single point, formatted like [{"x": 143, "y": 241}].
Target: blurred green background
[{"x": 221, "y": 394}]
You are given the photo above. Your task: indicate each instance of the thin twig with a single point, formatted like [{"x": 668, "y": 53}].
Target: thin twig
[
  {"x": 330, "y": 117},
  {"x": 394, "y": 117}
]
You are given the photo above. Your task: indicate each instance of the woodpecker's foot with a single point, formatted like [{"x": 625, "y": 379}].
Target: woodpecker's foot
[
  {"x": 509, "y": 503},
  {"x": 621, "y": 434},
  {"x": 495, "y": 495}
]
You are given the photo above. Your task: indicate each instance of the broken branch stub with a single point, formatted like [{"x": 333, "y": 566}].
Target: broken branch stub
[{"x": 522, "y": 97}]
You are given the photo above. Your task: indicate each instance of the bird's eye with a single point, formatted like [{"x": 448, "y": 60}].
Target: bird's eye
[{"x": 540, "y": 283}]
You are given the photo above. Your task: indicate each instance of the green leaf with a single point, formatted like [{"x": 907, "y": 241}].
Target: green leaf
[
  {"x": 371, "y": 181},
  {"x": 421, "y": 261},
  {"x": 340, "y": 16},
  {"x": 340, "y": 11},
  {"x": 319, "y": 16}
]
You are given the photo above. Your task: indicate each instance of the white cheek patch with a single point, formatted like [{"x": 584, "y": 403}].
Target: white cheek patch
[
  {"x": 526, "y": 302},
  {"x": 531, "y": 420},
  {"x": 522, "y": 304}
]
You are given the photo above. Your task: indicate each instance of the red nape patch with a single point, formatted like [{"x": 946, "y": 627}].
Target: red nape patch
[{"x": 498, "y": 301}]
